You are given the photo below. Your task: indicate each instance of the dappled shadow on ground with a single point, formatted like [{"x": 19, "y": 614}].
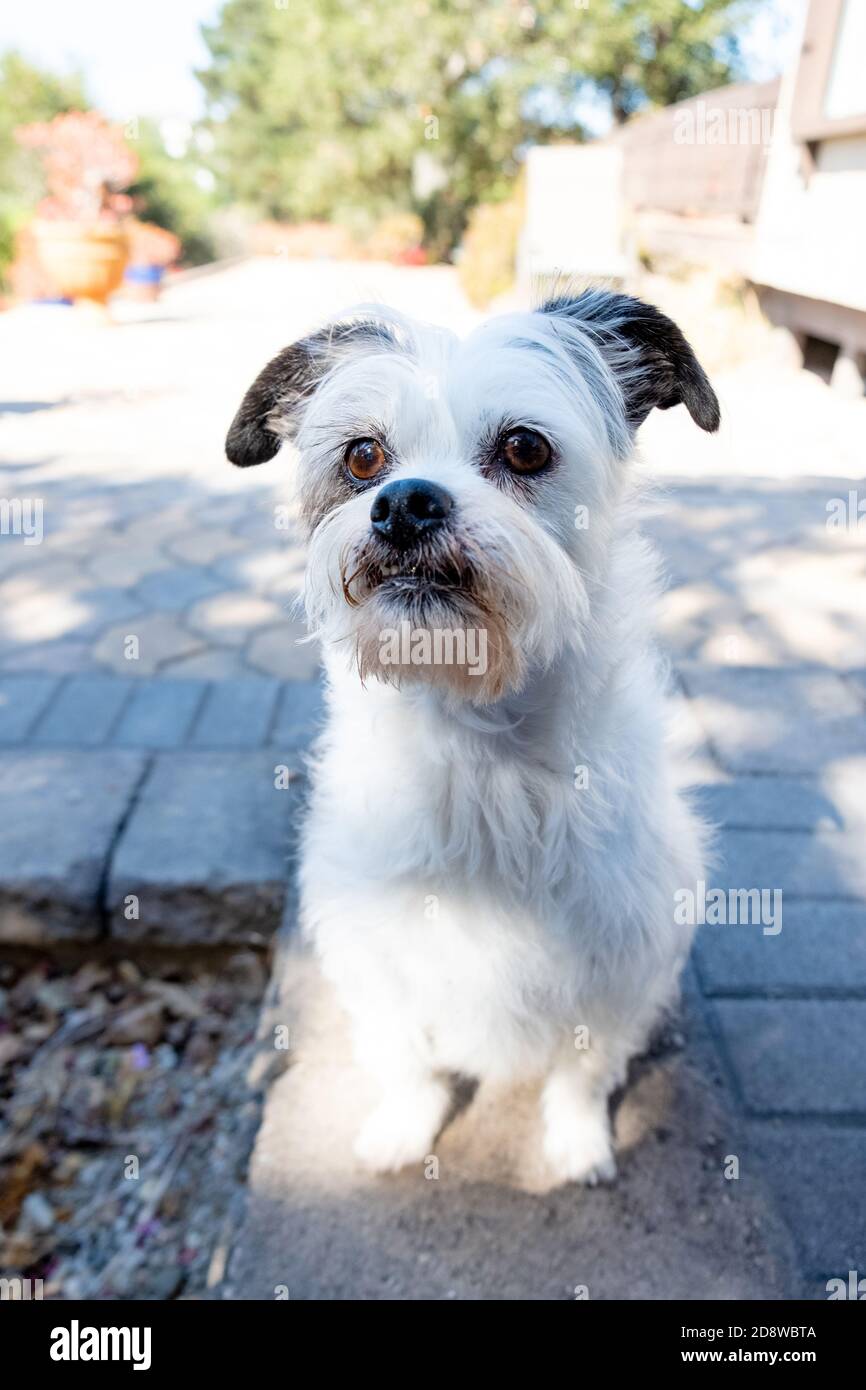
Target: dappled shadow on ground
[
  {"x": 27, "y": 407},
  {"x": 762, "y": 572},
  {"x": 90, "y": 556},
  {"x": 765, "y": 621}
]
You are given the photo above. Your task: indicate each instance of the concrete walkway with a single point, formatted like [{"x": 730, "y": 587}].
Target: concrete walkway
[{"x": 156, "y": 774}]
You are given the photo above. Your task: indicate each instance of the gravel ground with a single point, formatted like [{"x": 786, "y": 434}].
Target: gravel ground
[{"x": 128, "y": 1118}]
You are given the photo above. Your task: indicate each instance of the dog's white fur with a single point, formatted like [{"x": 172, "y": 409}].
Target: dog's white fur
[{"x": 480, "y": 909}]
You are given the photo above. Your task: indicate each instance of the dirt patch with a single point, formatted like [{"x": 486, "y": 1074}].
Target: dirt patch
[{"x": 128, "y": 1119}]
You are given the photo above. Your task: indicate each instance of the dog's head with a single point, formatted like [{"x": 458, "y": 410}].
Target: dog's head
[{"x": 460, "y": 496}]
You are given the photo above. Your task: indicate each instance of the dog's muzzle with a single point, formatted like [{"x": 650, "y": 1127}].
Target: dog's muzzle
[
  {"x": 409, "y": 511},
  {"x": 413, "y": 553}
]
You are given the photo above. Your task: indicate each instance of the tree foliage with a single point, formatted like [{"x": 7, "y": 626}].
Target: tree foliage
[{"x": 324, "y": 109}]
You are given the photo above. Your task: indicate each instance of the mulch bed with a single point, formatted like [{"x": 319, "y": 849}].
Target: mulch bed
[{"x": 127, "y": 1121}]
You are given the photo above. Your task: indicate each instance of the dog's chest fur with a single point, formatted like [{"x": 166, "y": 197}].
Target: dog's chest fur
[{"x": 454, "y": 870}]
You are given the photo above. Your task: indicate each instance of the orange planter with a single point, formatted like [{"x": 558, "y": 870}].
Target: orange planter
[{"x": 85, "y": 260}]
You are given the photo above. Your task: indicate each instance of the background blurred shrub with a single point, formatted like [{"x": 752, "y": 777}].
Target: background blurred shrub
[
  {"x": 397, "y": 237},
  {"x": 488, "y": 255}
]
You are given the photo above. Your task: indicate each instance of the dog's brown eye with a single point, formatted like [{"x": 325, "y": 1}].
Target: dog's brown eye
[
  {"x": 365, "y": 458},
  {"x": 524, "y": 451}
]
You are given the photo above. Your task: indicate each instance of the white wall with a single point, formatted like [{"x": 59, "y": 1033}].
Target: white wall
[{"x": 811, "y": 229}]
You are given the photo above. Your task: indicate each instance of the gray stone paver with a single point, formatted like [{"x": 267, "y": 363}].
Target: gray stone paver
[
  {"x": 126, "y": 563},
  {"x": 764, "y": 620},
  {"x": 824, "y": 863},
  {"x": 230, "y": 617},
  {"x": 231, "y": 511},
  {"x": 175, "y": 588},
  {"x": 205, "y": 852},
  {"x": 771, "y": 803},
  {"x": 262, "y": 567},
  {"x": 84, "y": 712},
  {"x": 773, "y": 607},
  {"x": 237, "y": 713},
  {"x": 160, "y": 714},
  {"x": 284, "y": 651},
  {"x": 793, "y": 720},
  {"x": 60, "y": 813},
  {"x": 821, "y": 949},
  {"x": 209, "y": 664},
  {"x": 60, "y": 658},
  {"x": 34, "y": 573},
  {"x": 204, "y": 544},
  {"x": 784, "y": 1052},
  {"x": 22, "y": 701},
  {"x": 160, "y": 637},
  {"x": 817, "y": 1173},
  {"x": 86, "y": 608},
  {"x": 299, "y": 714},
  {"x": 212, "y": 708}
]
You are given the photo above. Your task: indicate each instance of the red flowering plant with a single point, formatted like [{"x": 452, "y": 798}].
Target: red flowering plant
[{"x": 87, "y": 164}]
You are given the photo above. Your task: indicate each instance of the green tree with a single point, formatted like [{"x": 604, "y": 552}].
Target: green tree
[
  {"x": 26, "y": 94},
  {"x": 323, "y": 109}
]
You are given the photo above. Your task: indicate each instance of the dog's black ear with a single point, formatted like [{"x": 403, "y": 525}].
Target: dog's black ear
[
  {"x": 653, "y": 363},
  {"x": 270, "y": 411},
  {"x": 281, "y": 386}
]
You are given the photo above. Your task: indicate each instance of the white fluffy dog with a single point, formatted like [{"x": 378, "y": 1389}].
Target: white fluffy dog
[{"x": 495, "y": 836}]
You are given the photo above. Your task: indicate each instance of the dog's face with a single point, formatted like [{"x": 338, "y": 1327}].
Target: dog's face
[{"x": 460, "y": 496}]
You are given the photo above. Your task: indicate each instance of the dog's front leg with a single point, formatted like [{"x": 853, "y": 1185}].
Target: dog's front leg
[
  {"x": 577, "y": 1133},
  {"x": 402, "y": 1127}
]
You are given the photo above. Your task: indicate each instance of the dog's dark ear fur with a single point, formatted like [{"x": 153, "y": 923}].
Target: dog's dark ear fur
[
  {"x": 270, "y": 411},
  {"x": 653, "y": 363}
]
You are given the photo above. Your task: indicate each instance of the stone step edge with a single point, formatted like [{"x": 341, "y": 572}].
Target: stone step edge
[{"x": 76, "y": 870}]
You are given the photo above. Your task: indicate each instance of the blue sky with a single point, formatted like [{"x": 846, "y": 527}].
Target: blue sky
[{"x": 138, "y": 59}]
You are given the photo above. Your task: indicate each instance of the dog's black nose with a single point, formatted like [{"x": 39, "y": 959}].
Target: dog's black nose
[{"x": 405, "y": 511}]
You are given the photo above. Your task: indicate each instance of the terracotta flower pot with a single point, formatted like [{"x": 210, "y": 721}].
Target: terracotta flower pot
[{"x": 85, "y": 260}]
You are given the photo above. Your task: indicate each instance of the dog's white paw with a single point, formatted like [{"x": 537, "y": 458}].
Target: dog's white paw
[
  {"x": 402, "y": 1128},
  {"x": 578, "y": 1148}
]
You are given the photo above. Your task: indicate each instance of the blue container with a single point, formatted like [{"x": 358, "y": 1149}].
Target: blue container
[{"x": 144, "y": 274}]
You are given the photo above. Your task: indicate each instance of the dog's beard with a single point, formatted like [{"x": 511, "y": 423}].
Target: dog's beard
[
  {"x": 430, "y": 618},
  {"x": 470, "y": 613}
]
